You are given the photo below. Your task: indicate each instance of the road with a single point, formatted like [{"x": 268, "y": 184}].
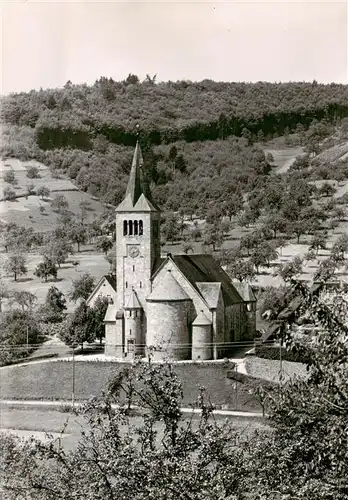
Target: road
[{"x": 56, "y": 404}]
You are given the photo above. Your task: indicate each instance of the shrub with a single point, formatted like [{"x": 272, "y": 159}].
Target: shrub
[{"x": 33, "y": 173}]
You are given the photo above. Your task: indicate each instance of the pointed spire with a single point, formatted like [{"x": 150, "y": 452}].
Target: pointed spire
[
  {"x": 138, "y": 186},
  {"x": 134, "y": 187}
]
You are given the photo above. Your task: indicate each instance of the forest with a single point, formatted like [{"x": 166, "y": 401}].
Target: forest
[{"x": 196, "y": 136}]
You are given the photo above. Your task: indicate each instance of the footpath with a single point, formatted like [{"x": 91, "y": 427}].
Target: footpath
[{"x": 57, "y": 404}]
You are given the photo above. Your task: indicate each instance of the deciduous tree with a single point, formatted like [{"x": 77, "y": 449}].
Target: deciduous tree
[
  {"x": 16, "y": 265},
  {"x": 43, "y": 192},
  {"x": 45, "y": 269},
  {"x": 82, "y": 287}
]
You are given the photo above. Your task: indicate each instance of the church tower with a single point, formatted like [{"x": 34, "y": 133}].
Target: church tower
[{"x": 138, "y": 245}]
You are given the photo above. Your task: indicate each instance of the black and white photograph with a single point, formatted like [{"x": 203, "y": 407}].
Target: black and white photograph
[{"x": 174, "y": 250}]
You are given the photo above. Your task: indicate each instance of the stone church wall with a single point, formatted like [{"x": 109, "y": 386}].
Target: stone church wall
[{"x": 167, "y": 329}]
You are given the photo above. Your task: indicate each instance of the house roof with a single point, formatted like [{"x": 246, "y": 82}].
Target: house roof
[
  {"x": 110, "y": 314},
  {"x": 109, "y": 278},
  {"x": 168, "y": 290},
  {"x": 210, "y": 293},
  {"x": 201, "y": 320},
  {"x": 137, "y": 196},
  {"x": 244, "y": 290},
  {"x": 203, "y": 268}
]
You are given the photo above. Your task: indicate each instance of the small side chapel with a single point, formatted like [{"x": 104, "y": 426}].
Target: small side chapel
[{"x": 176, "y": 306}]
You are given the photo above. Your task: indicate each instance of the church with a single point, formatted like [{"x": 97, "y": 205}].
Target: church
[{"x": 175, "y": 307}]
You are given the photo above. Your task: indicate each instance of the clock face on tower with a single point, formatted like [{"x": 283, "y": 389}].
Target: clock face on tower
[{"x": 134, "y": 251}]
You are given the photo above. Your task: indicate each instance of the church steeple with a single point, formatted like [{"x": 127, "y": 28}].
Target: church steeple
[
  {"x": 135, "y": 186},
  {"x": 137, "y": 196}
]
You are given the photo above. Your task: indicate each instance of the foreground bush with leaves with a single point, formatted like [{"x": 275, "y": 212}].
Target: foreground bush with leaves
[{"x": 167, "y": 456}]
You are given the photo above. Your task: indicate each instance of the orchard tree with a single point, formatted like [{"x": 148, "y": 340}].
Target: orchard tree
[
  {"x": 26, "y": 300},
  {"x": 9, "y": 177},
  {"x": 291, "y": 269},
  {"x": 43, "y": 192},
  {"x": 273, "y": 300},
  {"x": 104, "y": 244},
  {"x": 250, "y": 241},
  {"x": 263, "y": 254},
  {"x": 57, "y": 250},
  {"x": 340, "y": 248},
  {"x": 213, "y": 235},
  {"x": 298, "y": 228},
  {"x": 17, "y": 328},
  {"x": 170, "y": 229},
  {"x": 282, "y": 243},
  {"x": 33, "y": 172},
  {"x": 214, "y": 215},
  {"x": 30, "y": 189},
  {"x": 241, "y": 269},
  {"x": 82, "y": 287},
  {"x": 78, "y": 234},
  {"x": 275, "y": 222},
  {"x": 54, "y": 307},
  {"x": 9, "y": 194},
  {"x": 16, "y": 265},
  {"x": 339, "y": 213},
  {"x": 233, "y": 205},
  {"x": 318, "y": 242},
  {"x": 59, "y": 203},
  {"x": 45, "y": 269},
  {"x": 196, "y": 233}
]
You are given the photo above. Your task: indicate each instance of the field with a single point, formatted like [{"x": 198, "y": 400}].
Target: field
[
  {"x": 26, "y": 212},
  {"x": 53, "y": 381},
  {"x": 284, "y": 157},
  {"x": 89, "y": 261}
]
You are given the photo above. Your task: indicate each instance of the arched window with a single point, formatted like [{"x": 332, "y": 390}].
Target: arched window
[
  {"x": 135, "y": 223},
  {"x": 140, "y": 227},
  {"x": 125, "y": 228},
  {"x": 130, "y": 227}
]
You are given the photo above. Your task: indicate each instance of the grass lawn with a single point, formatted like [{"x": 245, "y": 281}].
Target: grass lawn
[{"x": 53, "y": 381}]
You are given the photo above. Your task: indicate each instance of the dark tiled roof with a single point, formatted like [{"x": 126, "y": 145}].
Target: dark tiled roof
[
  {"x": 204, "y": 268},
  {"x": 210, "y": 293},
  {"x": 111, "y": 279},
  {"x": 245, "y": 291}
]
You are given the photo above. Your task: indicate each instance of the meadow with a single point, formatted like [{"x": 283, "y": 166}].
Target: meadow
[
  {"x": 52, "y": 380},
  {"x": 26, "y": 211}
]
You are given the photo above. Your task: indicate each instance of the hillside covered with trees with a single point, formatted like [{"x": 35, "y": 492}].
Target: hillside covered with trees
[{"x": 194, "y": 135}]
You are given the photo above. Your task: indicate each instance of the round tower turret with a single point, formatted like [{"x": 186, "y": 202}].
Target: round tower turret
[
  {"x": 202, "y": 337},
  {"x": 134, "y": 344},
  {"x": 168, "y": 309}
]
